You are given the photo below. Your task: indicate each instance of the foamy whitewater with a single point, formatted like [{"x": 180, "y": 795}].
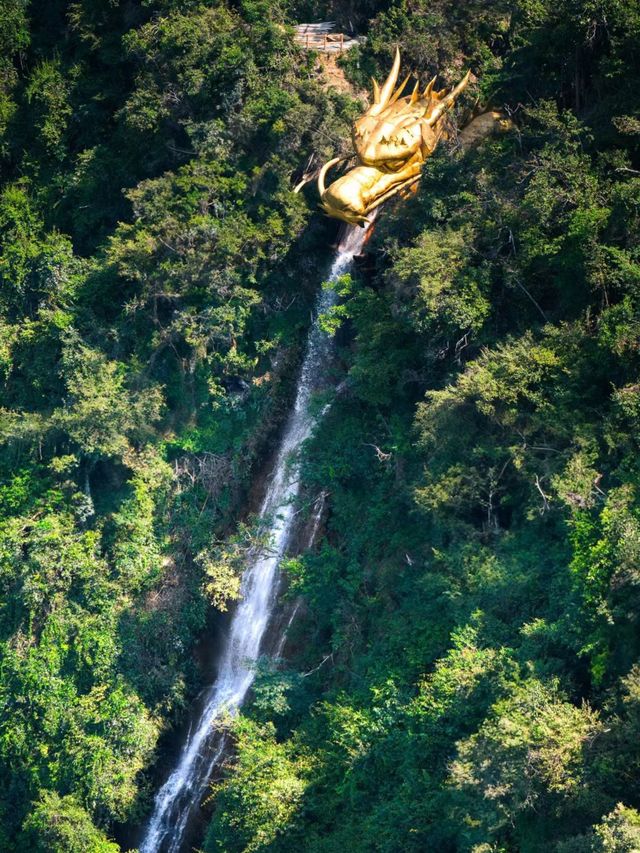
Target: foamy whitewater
[{"x": 182, "y": 793}]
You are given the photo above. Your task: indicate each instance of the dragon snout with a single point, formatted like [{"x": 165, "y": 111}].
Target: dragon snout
[
  {"x": 343, "y": 200},
  {"x": 348, "y": 216}
]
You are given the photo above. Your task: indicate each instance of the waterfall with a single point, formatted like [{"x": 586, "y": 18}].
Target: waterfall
[{"x": 179, "y": 798}]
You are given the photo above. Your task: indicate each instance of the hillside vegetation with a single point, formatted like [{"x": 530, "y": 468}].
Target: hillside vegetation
[{"x": 465, "y": 669}]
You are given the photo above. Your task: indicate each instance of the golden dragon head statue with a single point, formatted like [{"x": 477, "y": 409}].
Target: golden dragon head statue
[{"x": 391, "y": 141}]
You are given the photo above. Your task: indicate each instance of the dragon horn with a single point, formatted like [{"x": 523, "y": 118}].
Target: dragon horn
[
  {"x": 381, "y": 97},
  {"x": 398, "y": 91},
  {"x": 429, "y": 89},
  {"x": 376, "y": 91},
  {"x": 392, "y": 79},
  {"x": 414, "y": 94},
  {"x": 323, "y": 172},
  {"x": 447, "y": 102}
]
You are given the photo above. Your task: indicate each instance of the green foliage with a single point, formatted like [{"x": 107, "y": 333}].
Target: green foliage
[
  {"x": 528, "y": 751},
  {"x": 60, "y": 825},
  {"x": 223, "y": 563},
  {"x": 437, "y": 280},
  {"x": 619, "y": 832},
  {"x": 264, "y": 796},
  {"x": 464, "y": 664},
  {"x": 154, "y": 289},
  {"x": 47, "y": 94},
  {"x": 101, "y": 415},
  {"x": 464, "y": 672},
  {"x": 14, "y": 39}
]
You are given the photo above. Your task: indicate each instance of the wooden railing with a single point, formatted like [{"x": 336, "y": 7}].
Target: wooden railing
[{"x": 321, "y": 37}]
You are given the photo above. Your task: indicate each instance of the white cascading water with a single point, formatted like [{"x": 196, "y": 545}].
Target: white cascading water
[{"x": 181, "y": 794}]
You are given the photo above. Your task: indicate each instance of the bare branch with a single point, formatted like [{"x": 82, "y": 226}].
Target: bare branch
[
  {"x": 545, "y": 497},
  {"x": 316, "y": 668},
  {"x": 382, "y": 456}
]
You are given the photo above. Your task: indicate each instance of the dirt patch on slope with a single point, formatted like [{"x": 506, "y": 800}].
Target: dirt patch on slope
[{"x": 334, "y": 77}]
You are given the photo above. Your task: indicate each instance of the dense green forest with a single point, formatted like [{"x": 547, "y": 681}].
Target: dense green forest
[{"x": 464, "y": 671}]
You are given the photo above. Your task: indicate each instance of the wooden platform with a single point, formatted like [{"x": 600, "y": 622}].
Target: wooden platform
[{"x": 322, "y": 37}]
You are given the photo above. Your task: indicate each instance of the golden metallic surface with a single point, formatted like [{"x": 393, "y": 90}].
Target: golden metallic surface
[{"x": 391, "y": 142}]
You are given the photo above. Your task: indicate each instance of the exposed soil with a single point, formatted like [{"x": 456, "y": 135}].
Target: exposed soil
[{"x": 334, "y": 77}]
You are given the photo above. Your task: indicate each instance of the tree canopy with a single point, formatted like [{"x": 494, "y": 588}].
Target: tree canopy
[{"x": 463, "y": 673}]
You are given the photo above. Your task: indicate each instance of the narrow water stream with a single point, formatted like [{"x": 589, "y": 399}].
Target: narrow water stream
[{"x": 180, "y": 797}]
